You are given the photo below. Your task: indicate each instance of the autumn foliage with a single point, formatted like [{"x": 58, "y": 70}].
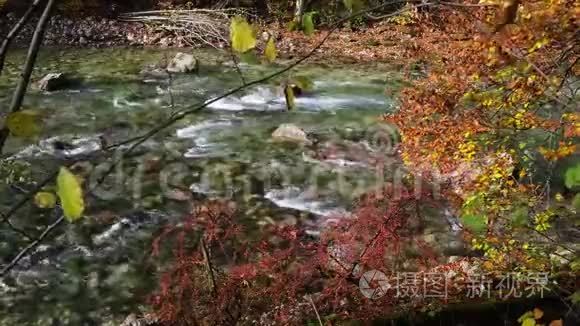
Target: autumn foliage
[
  {"x": 494, "y": 114},
  {"x": 223, "y": 274}
]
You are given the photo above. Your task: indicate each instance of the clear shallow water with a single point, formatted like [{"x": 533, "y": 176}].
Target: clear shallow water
[
  {"x": 117, "y": 100},
  {"x": 100, "y": 269}
]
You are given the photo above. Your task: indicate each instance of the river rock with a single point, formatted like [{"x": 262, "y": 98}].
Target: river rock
[
  {"x": 290, "y": 133},
  {"x": 54, "y": 82},
  {"x": 133, "y": 320},
  {"x": 183, "y": 63}
]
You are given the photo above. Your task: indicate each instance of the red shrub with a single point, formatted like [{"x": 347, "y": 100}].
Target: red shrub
[{"x": 273, "y": 278}]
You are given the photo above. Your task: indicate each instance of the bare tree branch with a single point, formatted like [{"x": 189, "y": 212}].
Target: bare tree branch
[
  {"x": 14, "y": 32},
  {"x": 208, "y": 264},
  {"x": 29, "y": 65},
  {"x": 315, "y": 310},
  {"x": 196, "y": 26},
  {"x": 31, "y": 246}
]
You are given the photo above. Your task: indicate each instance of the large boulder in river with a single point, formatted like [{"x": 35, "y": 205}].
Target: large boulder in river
[
  {"x": 54, "y": 82},
  {"x": 290, "y": 133},
  {"x": 183, "y": 63}
]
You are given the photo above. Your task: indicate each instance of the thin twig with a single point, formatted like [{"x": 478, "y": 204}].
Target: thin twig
[
  {"x": 169, "y": 88},
  {"x": 19, "y": 204},
  {"x": 575, "y": 252},
  {"x": 208, "y": 265},
  {"x": 18, "y": 230},
  {"x": 31, "y": 246},
  {"x": 315, "y": 310},
  {"x": 237, "y": 65}
]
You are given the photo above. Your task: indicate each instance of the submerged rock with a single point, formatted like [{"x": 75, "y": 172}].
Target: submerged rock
[
  {"x": 153, "y": 73},
  {"x": 54, "y": 82},
  {"x": 133, "y": 320},
  {"x": 183, "y": 63},
  {"x": 290, "y": 133}
]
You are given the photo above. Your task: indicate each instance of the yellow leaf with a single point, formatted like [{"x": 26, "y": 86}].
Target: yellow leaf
[
  {"x": 45, "y": 200},
  {"x": 242, "y": 35},
  {"x": 270, "y": 52},
  {"x": 23, "y": 124},
  {"x": 71, "y": 195},
  {"x": 529, "y": 322},
  {"x": 538, "y": 313}
]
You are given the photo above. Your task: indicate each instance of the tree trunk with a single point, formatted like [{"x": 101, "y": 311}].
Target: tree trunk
[{"x": 299, "y": 11}]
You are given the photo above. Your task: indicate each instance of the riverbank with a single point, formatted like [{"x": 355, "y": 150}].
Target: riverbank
[{"x": 383, "y": 41}]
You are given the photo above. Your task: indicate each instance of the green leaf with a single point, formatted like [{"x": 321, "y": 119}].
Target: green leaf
[
  {"x": 477, "y": 224},
  {"x": 270, "y": 52},
  {"x": 45, "y": 199},
  {"x": 308, "y": 23},
  {"x": 290, "y": 98},
  {"x": 572, "y": 177},
  {"x": 23, "y": 124},
  {"x": 242, "y": 35},
  {"x": 71, "y": 195}
]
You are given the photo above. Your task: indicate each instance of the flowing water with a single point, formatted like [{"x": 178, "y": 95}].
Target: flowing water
[{"x": 100, "y": 269}]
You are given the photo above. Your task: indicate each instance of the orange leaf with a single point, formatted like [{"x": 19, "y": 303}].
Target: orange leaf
[
  {"x": 538, "y": 313},
  {"x": 558, "y": 322}
]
